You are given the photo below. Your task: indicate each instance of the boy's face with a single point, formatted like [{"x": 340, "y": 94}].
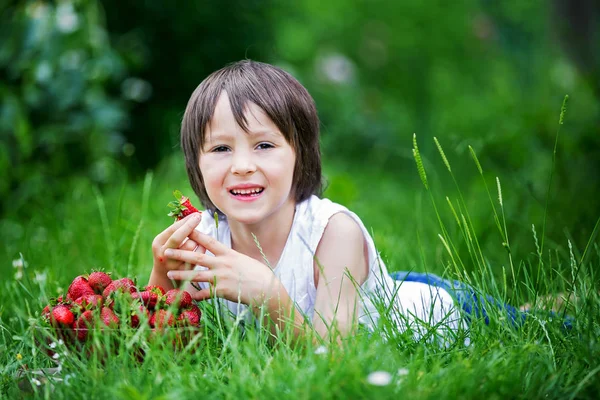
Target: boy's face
[{"x": 247, "y": 175}]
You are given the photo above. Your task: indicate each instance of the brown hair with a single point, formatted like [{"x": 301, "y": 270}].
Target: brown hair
[{"x": 285, "y": 101}]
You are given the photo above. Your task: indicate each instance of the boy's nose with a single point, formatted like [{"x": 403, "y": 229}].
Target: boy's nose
[{"x": 242, "y": 164}]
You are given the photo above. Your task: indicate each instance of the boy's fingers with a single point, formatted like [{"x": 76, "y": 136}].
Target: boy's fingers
[
  {"x": 164, "y": 235},
  {"x": 203, "y": 294},
  {"x": 192, "y": 257},
  {"x": 193, "y": 275},
  {"x": 209, "y": 243},
  {"x": 190, "y": 245},
  {"x": 182, "y": 232}
]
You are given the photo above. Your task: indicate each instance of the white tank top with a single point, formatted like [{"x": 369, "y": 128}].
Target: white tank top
[{"x": 414, "y": 302}]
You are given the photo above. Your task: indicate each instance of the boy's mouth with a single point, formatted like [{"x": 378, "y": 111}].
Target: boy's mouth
[{"x": 253, "y": 192}]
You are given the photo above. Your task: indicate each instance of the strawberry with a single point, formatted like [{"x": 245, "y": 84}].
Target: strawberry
[
  {"x": 99, "y": 281},
  {"x": 156, "y": 289},
  {"x": 135, "y": 316},
  {"x": 90, "y": 301},
  {"x": 163, "y": 318},
  {"x": 178, "y": 297},
  {"x": 61, "y": 316},
  {"x": 83, "y": 323},
  {"x": 122, "y": 285},
  {"x": 109, "y": 318},
  {"x": 190, "y": 316},
  {"x": 148, "y": 298},
  {"x": 46, "y": 312},
  {"x": 79, "y": 287},
  {"x": 182, "y": 207}
]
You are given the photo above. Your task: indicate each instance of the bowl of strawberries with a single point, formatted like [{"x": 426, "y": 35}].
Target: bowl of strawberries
[{"x": 97, "y": 305}]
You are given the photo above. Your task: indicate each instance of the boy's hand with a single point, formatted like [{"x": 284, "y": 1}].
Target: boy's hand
[
  {"x": 231, "y": 275},
  {"x": 176, "y": 236}
]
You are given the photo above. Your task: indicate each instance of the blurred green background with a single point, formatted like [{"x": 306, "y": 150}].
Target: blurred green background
[{"x": 94, "y": 92}]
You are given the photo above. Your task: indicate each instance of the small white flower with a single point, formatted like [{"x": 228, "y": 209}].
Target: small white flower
[
  {"x": 379, "y": 378},
  {"x": 67, "y": 378},
  {"x": 17, "y": 263},
  {"x": 52, "y": 345},
  {"x": 19, "y": 274},
  {"x": 321, "y": 350},
  {"x": 402, "y": 372},
  {"x": 60, "y": 342},
  {"x": 56, "y": 356},
  {"x": 36, "y": 382},
  {"x": 40, "y": 277}
]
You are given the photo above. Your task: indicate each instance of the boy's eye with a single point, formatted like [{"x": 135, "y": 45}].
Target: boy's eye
[
  {"x": 219, "y": 149},
  {"x": 263, "y": 146}
]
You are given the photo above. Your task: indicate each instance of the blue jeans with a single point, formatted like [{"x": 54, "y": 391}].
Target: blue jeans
[{"x": 472, "y": 303}]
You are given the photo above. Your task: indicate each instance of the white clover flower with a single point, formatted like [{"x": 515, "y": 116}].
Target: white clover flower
[
  {"x": 379, "y": 378},
  {"x": 18, "y": 263},
  {"x": 40, "y": 277},
  {"x": 68, "y": 377},
  {"x": 321, "y": 350}
]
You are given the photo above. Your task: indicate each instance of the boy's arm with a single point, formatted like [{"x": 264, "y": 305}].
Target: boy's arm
[
  {"x": 160, "y": 279},
  {"x": 340, "y": 268}
]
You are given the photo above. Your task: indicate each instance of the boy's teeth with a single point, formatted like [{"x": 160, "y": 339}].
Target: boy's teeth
[{"x": 246, "y": 191}]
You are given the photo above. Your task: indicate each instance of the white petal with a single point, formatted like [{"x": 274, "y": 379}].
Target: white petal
[{"x": 379, "y": 378}]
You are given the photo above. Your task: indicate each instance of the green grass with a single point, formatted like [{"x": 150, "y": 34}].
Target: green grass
[{"x": 415, "y": 229}]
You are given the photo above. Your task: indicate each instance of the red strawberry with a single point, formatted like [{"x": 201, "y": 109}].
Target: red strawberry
[
  {"x": 156, "y": 289},
  {"x": 62, "y": 316},
  {"x": 178, "y": 297},
  {"x": 90, "y": 301},
  {"x": 79, "y": 287},
  {"x": 83, "y": 323},
  {"x": 122, "y": 285},
  {"x": 135, "y": 316},
  {"x": 190, "y": 316},
  {"x": 182, "y": 207},
  {"x": 148, "y": 298},
  {"x": 109, "y": 318},
  {"x": 99, "y": 281},
  {"x": 163, "y": 318}
]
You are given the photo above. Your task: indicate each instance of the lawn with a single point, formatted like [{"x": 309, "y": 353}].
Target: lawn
[{"x": 111, "y": 228}]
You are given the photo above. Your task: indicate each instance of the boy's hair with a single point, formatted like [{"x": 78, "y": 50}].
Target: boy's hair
[{"x": 285, "y": 101}]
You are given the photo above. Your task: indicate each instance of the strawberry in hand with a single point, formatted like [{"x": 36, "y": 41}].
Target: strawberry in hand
[{"x": 182, "y": 207}]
